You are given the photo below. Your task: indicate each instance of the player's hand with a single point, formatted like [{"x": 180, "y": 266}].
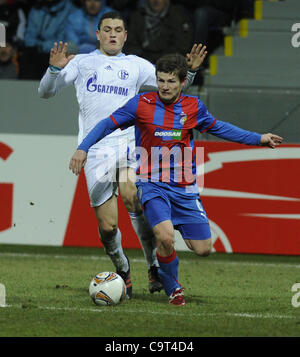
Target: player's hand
[
  {"x": 196, "y": 57},
  {"x": 270, "y": 140},
  {"x": 59, "y": 55},
  {"x": 78, "y": 161}
]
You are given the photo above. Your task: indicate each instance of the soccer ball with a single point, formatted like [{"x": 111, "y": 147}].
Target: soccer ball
[{"x": 107, "y": 288}]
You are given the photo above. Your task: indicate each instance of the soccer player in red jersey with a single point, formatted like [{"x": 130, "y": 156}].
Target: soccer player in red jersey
[{"x": 166, "y": 173}]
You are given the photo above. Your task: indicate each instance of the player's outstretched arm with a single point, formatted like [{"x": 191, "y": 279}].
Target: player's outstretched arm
[
  {"x": 102, "y": 129},
  {"x": 271, "y": 140},
  {"x": 52, "y": 81},
  {"x": 126, "y": 118},
  {"x": 233, "y": 133},
  {"x": 196, "y": 56},
  {"x": 59, "y": 55},
  {"x": 78, "y": 161}
]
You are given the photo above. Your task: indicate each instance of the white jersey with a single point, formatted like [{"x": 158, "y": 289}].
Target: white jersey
[{"x": 103, "y": 84}]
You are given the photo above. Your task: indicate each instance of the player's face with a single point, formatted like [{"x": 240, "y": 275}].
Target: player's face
[
  {"x": 112, "y": 36},
  {"x": 169, "y": 87}
]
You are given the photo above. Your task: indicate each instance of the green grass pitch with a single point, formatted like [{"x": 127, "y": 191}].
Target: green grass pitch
[{"x": 226, "y": 295}]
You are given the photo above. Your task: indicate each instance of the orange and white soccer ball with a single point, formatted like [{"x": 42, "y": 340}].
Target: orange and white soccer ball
[{"x": 107, "y": 288}]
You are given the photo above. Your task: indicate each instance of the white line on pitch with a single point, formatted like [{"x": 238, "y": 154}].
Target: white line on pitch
[
  {"x": 123, "y": 309},
  {"x": 141, "y": 260}
]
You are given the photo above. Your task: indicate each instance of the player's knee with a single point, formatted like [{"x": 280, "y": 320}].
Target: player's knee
[
  {"x": 203, "y": 250},
  {"x": 130, "y": 200},
  {"x": 166, "y": 241},
  {"x": 107, "y": 221},
  {"x": 108, "y": 229}
]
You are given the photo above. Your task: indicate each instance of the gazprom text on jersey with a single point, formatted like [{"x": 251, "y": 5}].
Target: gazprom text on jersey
[{"x": 103, "y": 88}]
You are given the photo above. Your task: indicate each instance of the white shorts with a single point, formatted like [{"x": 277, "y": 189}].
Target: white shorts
[{"x": 103, "y": 161}]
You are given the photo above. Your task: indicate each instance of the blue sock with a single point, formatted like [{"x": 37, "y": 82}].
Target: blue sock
[{"x": 168, "y": 271}]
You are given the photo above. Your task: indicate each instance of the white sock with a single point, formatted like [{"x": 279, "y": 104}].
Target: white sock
[
  {"x": 114, "y": 250},
  {"x": 146, "y": 237}
]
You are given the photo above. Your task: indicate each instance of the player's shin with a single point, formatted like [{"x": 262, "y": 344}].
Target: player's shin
[
  {"x": 148, "y": 243},
  {"x": 146, "y": 237},
  {"x": 113, "y": 248},
  {"x": 168, "y": 272}
]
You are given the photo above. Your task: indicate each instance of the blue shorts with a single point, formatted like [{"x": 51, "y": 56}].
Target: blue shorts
[{"x": 162, "y": 202}]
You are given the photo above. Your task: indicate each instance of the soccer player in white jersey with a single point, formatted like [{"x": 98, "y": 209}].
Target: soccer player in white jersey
[{"x": 105, "y": 80}]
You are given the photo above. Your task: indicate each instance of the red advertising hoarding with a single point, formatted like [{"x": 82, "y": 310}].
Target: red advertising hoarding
[{"x": 251, "y": 196}]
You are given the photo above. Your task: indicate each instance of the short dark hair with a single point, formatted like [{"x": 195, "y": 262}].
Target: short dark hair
[
  {"x": 112, "y": 15},
  {"x": 173, "y": 63}
]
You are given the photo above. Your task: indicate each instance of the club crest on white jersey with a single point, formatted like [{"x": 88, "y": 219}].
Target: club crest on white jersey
[
  {"x": 92, "y": 85},
  {"x": 123, "y": 74}
]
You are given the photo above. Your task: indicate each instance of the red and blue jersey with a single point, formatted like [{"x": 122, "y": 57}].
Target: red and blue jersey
[{"x": 164, "y": 135}]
